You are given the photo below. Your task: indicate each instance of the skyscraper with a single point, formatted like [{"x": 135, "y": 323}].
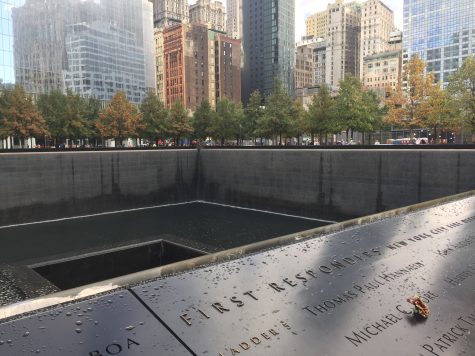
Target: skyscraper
[
  {"x": 269, "y": 45},
  {"x": 310, "y": 63},
  {"x": 317, "y": 25},
  {"x": 93, "y": 48},
  {"x": 169, "y": 12},
  {"x": 234, "y": 18},
  {"x": 7, "y": 70},
  {"x": 342, "y": 41},
  {"x": 377, "y": 23},
  {"x": 441, "y": 32}
]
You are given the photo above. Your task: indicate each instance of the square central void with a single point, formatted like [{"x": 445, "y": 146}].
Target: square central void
[{"x": 204, "y": 226}]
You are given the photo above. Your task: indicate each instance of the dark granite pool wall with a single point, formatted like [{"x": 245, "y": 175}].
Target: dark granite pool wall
[
  {"x": 37, "y": 186},
  {"x": 328, "y": 183},
  {"x": 333, "y": 182}
]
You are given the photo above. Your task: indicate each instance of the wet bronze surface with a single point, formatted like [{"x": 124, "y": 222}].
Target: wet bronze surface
[{"x": 341, "y": 294}]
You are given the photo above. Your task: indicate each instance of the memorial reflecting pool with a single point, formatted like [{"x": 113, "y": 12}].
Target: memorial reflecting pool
[{"x": 204, "y": 226}]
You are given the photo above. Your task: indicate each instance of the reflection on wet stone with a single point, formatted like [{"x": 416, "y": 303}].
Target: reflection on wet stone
[
  {"x": 117, "y": 324},
  {"x": 338, "y": 294},
  {"x": 345, "y": 293}
]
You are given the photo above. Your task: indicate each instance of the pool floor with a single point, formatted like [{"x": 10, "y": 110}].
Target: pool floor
[{"x": 206, "y": 226}]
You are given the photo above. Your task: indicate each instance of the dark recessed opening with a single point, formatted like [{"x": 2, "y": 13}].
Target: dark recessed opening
[{"x": 95, "y": 267}]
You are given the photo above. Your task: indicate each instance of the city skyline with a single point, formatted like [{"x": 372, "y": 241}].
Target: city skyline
[{"x": 305, "y": 8}]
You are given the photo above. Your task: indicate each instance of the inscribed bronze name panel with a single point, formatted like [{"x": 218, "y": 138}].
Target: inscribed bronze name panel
[
  {"x": 345, "y": 293},
  {"x": 115, "y": 324}
]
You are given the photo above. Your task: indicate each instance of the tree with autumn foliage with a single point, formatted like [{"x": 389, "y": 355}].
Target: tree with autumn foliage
[
  {"x": 462, "y": 87},
  {"x": 120, "y": 119},
  {"x": 409, "y": 106},
  {"x": 441, "y": 111},
  {"x": 19, "y": 117},
  {"x": 179, "y": 125}
]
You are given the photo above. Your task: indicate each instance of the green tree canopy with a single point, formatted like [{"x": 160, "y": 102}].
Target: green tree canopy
[
  {"x": 462, "y": 86},
  {"x": 179, "y": 123},
  {"x": 120, "y": 119},
  {"x": 19, "y": 117},
  {"x": 154, "y": 117},
  {"x": 320, "y": 115},
  {"x": 75, "y": 123},
  {"x": 226, "y": 121},
  {"x": 92, "y": 109},
  {"x": 253, "y": 114},
  {"x": 52, "y": 107},
  {"x": 299, "y": 115},
  {"x": 202, "y": 120},
  {"x": 65, "y": 115},
  {"x": 350, "y": 106},
  {"x": 277, "y": 120},
  {"x": 374, "y": 110}
]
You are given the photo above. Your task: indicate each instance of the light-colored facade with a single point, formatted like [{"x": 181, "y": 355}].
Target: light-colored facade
[
  {"x": 310, "y": 61},
  {"x": 159, "y": 67},
  {"x": 209, "y": 13},
  {"x": 316, "y": 25},
  {"x": 441, "y": 32},
  {"x": 305, "y": 95},
  {"x": 168, "y": 13},
  {"x": 234, "y": 18},
  {"x": 78, "y": 45},
  {"x": 377, "y": 23},
  {"x": 382, "y": 71},
  {"x": 395, "y": 41},
  {"x": 343, "y": 35}
]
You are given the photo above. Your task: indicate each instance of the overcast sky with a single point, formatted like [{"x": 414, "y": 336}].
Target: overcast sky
[{"x": 304, "y": 8}]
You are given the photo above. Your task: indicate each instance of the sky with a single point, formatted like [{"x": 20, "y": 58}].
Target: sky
[{"x": 304, "y": 8}]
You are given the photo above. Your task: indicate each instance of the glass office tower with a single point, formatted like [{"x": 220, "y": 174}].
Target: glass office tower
[
  {"x": 442, "y": 32},
  {"x": 92, "y": 47},
  {"x": 7, "y": 70},
  {"x": 268, "y": 44}
]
